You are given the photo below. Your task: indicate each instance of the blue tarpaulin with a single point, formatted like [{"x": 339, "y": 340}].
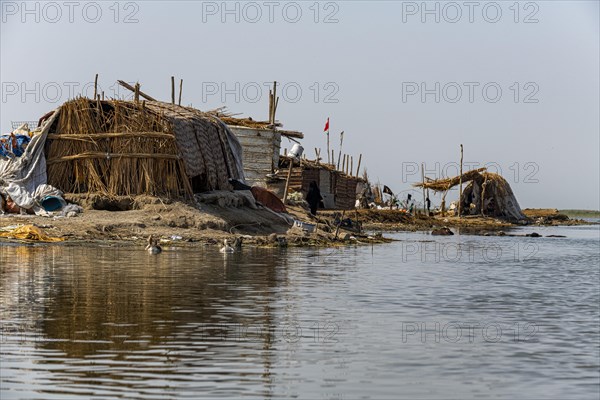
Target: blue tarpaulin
[{"x": 13, "y": 145}]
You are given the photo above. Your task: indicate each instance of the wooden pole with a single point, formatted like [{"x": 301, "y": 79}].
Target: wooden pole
[
  {"x": 483, "y": 196},
  {"x": 332, "y": 158},
  {"x": 96, "y": 87},
  {"x": 287, "y": 181},
  {"x": 103, "y": 95},
  {"x": 339, "y": 158},
  {"x": 328, "y": 160},
  {"x": 423, "y": 179},
  {"x": 351, "y": 164},
  {"x": 173, "y": 90},
  {"x": 180, "y": 89},
  {"x": 358, "y": 168},
  {"x": 128, "y": 86},
  {"x": 460, "y": 183},
  {"x": 274, "y": 101},
  {"x": 136, "y": 94},
  {"x": 443, "y": 205},
  {"x": 270, "y": 106}
]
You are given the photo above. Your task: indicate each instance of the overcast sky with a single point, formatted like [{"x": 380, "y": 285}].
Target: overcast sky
[{"x": 516, "y": 84}]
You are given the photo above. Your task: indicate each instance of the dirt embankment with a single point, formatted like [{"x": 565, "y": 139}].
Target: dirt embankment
[
  {"x": 550, "y": 216},
  {"x": 230, "y": 215},
  {"x": 131, "y": 221}
]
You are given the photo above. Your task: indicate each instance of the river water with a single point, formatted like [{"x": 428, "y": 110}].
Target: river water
[{"x": 424, "y": 317}]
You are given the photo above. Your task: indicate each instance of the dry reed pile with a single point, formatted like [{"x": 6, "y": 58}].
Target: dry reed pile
[
  {"x": 114, "y": 148},
  {"x": 441, "y": 185}
]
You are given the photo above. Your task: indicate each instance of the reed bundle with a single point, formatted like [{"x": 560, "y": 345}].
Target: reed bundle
[
  {"x": 486, "y": 190},
  {"x": 441, "y": 185},
  {"x": 115, "y": 148}
]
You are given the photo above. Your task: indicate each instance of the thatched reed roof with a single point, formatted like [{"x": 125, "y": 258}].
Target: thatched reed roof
[
  {"x": 305, "y": 163},
  {"x": 131, "y": 148},
  {"x": 441, "y": 185},
  {"x": 489, "y": 193},
  {"x": 231, "y": 120}
]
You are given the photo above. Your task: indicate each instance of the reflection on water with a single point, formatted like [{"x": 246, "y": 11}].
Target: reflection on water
[{"x": 420, "y": 318}]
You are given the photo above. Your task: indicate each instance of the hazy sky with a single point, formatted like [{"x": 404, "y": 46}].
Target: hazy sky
[{"x": 516, "y": 83}]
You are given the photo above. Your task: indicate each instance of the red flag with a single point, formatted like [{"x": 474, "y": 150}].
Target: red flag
[{"x": 326, "y": 126}]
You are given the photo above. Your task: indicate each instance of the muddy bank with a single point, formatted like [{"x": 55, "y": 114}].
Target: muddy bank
[
  {"x": 393, "y": 220},
  {"x": 126, "y": 221},
  {"x": 213, "y": 217}
]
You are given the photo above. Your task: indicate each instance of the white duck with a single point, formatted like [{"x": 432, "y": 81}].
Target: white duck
[
  {"x": 226, "y": 248},
  {"x": 153, "y": 246}
]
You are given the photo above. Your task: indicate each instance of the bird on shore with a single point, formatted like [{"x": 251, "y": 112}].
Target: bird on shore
[
  {"x": 153, "y": 246},
  {"x": 226, "y": 248}
]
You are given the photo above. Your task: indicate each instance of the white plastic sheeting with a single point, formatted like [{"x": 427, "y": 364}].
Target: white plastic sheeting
[{"x": 24, "y": 178}]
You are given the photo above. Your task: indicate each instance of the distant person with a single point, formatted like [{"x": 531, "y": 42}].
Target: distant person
[
  {"x": 428, "y": 205},
  {"x": 313, "y": 197}
]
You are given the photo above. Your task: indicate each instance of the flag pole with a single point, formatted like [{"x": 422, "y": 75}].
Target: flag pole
[{"x": 328, "y": 153}]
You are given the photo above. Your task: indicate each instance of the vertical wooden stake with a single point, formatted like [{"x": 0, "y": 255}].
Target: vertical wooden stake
[
  {"x": 136, "y": 93},
  {"x": 273, "y": 104},
  {"x": 423, "y": 179},
  {"x": 332, "y": 160},
  {"x": 358, "y": 168},
  {"x": 180, "y": 89},
  {"x": 270, "y": 106},
  {"x": 460, "y": 183},
  {"x": 328, "y": 159},
  {"x": 339, "y": 158},
  {"x": 287, "y": 182},
  {"x": 443, "y": 205},
  {"x": 483, "y": 196},
  {"x": 96, "y": 87},
  {"x": 351, "y": 165},
  {"x": 173, "y": 90}
]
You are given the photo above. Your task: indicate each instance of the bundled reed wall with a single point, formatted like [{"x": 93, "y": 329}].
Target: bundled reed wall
[{"x": 121, "y": 148}]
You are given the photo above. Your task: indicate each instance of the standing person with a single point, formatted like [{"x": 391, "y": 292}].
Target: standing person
[
  {"x": 313, "y": 197},
  {"x": 428, "y": 205}
]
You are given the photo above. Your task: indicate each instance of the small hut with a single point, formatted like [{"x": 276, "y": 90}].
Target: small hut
[
  {"x": 134, "y": 148},
  {"x": 261, "y": 144},
  {"x": 485, "y": 193},
  {"x": 339, "y": 189}
]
